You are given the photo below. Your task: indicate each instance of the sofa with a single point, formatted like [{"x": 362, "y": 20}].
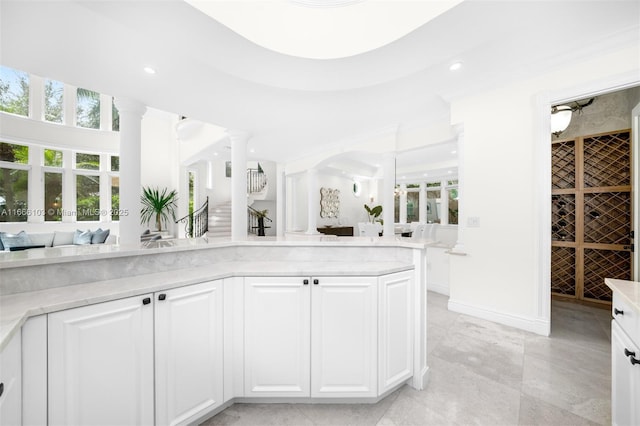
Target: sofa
[{"x": 23, "y": 240}]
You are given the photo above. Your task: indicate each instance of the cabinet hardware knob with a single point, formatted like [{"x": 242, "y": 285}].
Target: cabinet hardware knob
[
  {"x": 627, "y": 352},
  {"x": 617, "y": 311},
  {"x": 1, "y": 388},
  {"x": 634, "y": 361},
  {"x": 305, "y": 282},
  {"x": 146, "y": 300},
  {"x": 316, "y": 282},
  {"x": 162, "y": 296}
]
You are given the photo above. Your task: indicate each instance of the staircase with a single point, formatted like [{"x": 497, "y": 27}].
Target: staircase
[
  {"x": 220, "y": 215},
  {"x": 220, "y": 221}
]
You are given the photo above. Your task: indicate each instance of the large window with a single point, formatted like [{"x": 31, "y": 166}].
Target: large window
[
  {"x": 87, "y": 161},
  {"x": 53, "y": 196},
  {"x": 115, "y": 198},
  {"x": 87, "y": 198},
  {"x": 88, "y": 109},
  {"x": 14, "y": 91},
  {"x": 53, "y": 101},
  {"x": 14, "y": 182}
]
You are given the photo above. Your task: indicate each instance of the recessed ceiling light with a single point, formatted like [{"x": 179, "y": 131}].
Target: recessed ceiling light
[
  {"x": 149, "y": 70},
  {"x": 426, "y": 174},
  {"x": 455, "y": 66},
  {"x": 215, "y": 153},
  {"x": 449, "y": 171},
  {"x": 454, "y": 152},
  {"x": 252, "y": 150}
]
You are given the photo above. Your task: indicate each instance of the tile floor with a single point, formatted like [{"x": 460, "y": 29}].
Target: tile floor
[{"x": 481, "y": 373}]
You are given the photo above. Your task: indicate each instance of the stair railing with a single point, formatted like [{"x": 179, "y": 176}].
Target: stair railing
[
  {"x": 253, "y": 221},
  {"x": 197, "y": 222},
  {"x": 256, "y": 180}
]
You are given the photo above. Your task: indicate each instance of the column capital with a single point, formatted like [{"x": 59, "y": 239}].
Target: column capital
[
  {"x": 238, "y": 135},
  {"x": 126, "y": 105}
]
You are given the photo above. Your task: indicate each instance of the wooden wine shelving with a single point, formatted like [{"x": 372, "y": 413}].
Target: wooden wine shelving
[{"x": 591, "y": 215}]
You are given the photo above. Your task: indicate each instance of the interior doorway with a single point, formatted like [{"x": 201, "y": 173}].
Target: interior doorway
[{"x": 592, "y": 199}]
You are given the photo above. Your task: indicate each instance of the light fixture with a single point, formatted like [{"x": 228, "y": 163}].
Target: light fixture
[
  {"x": 561, "y": 115},
  {"x": 560, "y": 119},
  {"x": 455, "y": 66},
  {"x": 149, "y": 70},
  {"x": 454, "y": 151}
]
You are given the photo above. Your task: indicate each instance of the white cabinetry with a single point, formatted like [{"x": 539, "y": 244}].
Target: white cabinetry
[
  {"x": 625, "y": 363},
  {"x": 327, "y": 337},
  {"x": 344, "y": 341},
  {"x": 189, "y": 371},
  {"x": 395, "y": 330},
  {"x": 277, "y": 336},
  {"x": 11, "y": 383},
  {"x": 101, "y": 364},
  {"x": 101, "y": 359}
]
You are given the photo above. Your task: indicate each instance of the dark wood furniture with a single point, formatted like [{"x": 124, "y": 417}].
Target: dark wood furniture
[{"x": 341, "y": 231}]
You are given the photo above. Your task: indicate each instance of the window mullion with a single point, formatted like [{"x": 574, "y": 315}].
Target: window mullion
[{"x": 35, "y": 193}]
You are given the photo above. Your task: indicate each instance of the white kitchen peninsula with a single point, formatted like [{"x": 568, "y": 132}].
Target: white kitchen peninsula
[{"x": 280, "y": 320}]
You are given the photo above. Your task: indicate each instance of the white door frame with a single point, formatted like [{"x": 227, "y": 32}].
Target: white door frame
[
  {"x": 635, "y": 175},
  {"x": 542, "y": 163}
]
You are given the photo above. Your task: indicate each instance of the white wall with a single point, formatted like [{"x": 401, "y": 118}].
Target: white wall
[
  {"x": 351, "y": 207},
  {"x": 501, "y": 275}
]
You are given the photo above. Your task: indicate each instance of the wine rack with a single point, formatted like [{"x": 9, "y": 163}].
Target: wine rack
[{"x": 591, "y": 219}]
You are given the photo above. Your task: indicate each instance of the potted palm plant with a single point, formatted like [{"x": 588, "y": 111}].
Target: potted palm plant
[{"x": 158, "y": 205}]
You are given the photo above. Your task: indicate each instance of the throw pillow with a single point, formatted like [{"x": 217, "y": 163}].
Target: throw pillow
[
  {"x": 82, "y": 237},
  {"x": 99, "y": 236},
  {"x": 63, "y": 238},
  {"x": 20, "y": 239}
]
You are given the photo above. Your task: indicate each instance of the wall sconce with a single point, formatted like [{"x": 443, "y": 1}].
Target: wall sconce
[{"x": 561, "y": 116}]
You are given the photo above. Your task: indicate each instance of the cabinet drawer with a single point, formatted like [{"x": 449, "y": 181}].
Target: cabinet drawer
[{"x": 625, "y": 316}]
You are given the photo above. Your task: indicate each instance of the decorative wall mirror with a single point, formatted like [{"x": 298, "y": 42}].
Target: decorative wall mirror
[{"x": 329, "y": 202}]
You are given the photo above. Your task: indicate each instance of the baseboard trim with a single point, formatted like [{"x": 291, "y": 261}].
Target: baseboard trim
[
  {"x": 534, "y": 325},
  {"x": 438, "y": 288}
]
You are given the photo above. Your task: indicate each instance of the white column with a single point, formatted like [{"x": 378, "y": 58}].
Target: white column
[
  {"x": 422, "y": 203},
  {"x": 131, "y": 113},
  {"x": 313, "y": 202},
  {"x": 459, "y": 247},
  {"x": 281, "y": 206},
  {"x": 388, "y": 183},
  {"x": 239, "y": 142},
  {"x": 403, "y": 203},
  {"x": 444, "y": 203}
]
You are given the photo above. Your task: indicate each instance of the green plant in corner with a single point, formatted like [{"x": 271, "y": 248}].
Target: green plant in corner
[
  {"x": 374, "y": 213},
  {"x": 158, "y": 205}
]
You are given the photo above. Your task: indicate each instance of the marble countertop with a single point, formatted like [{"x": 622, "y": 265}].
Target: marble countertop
[
  {"x": 17, "y": 308},
  {"x": 43, "y": 256},
  {"x": 629, "y": 290}
]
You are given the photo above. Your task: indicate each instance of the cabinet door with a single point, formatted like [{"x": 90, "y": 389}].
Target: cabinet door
[
  {"x": 395, "y": 330},
  {"x": 101, "y": 364},
  {"x": 344, "y": 337},
  {"x": 625, "y": 386},
  {"x": 277, "y": 336},
  {"x": 11, "y": 382},
  {"x": 189, "y": 371}
]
